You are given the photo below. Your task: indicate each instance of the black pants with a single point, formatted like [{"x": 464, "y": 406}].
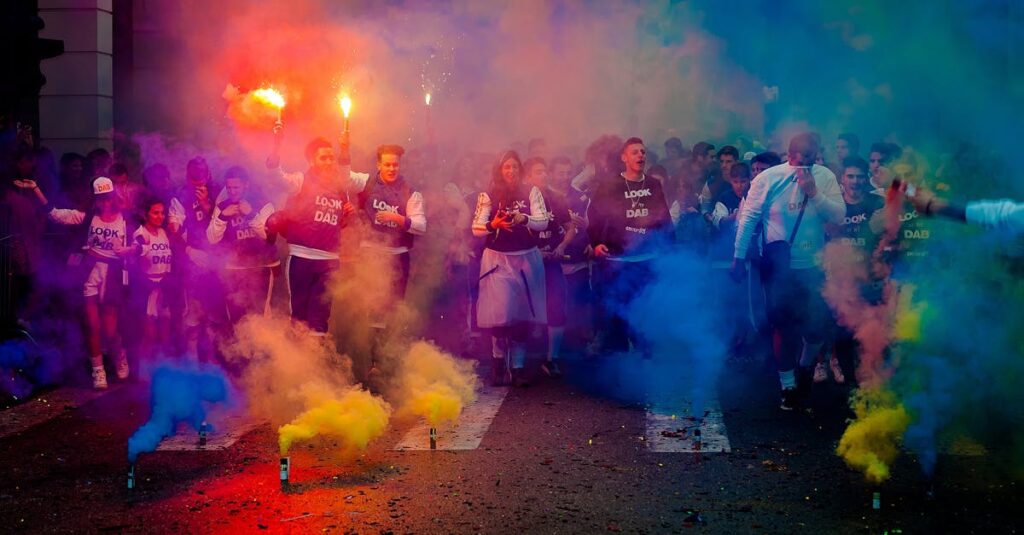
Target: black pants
[
  {"x": 307, "y": 280},
  {"x": 615, "y": 286}
]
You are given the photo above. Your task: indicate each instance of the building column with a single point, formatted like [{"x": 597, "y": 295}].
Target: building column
[{"x": 76, "y": 106}]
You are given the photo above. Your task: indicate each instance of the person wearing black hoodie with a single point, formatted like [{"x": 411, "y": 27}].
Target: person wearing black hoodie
[{"x": 629, "y": 225}]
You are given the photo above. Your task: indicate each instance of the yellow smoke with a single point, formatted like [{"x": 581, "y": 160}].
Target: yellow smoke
[
  {"x": 433, "y": 384},
  {"x": 908, "y": 316},
  {"x": 357, "y": 417},
  {"x": 871, "y": 442}
]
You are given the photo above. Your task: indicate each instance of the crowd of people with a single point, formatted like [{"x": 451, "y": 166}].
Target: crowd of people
[{"x": 156, "y": 261}]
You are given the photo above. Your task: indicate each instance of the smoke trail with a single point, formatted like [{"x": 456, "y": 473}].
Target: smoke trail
[
  {"x": 870, "y": 443},
  {"x": 287, "y": 369},
  {"x": 682, "y": 313},
  {"x": 433, "y": 384},
  {"x": 177, "y": 395},
  {"x": 356, "y": 417}
]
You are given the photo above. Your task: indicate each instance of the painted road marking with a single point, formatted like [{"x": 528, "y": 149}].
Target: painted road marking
[
  {"x": 47, "y": 406},
  {"x": 226, "y": 431},
  {"x": 668, "y": 433},
  {"x": 467, "y": 433}
]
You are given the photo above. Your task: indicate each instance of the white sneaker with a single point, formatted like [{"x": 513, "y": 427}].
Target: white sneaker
[
  {"x": 820, "y": 375},
  {"x": 122, "y": 367},
  {"x": 99, "y": 378},
  {"x": 837, "y": 371}
]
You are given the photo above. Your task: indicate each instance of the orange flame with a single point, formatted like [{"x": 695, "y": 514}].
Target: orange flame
[
  {"x": 346, "y": 105},
  {"x": 270, "y": 97},
  {"x": 427, "y": 99}
]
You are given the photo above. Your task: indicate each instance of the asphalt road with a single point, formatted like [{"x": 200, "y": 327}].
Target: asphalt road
[{"x": 557, "y": 458}]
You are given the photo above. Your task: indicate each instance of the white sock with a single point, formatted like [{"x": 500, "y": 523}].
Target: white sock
[{"x": 787, "y": 379}]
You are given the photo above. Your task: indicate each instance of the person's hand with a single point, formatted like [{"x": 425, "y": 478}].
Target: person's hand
[
  {"x": 26, "y": 184},
  {"x": 230, "y": 211},
  {"x": 738, "y": 271},
  {"x": 805, "y": 179},
  {"x": 389, "y": 217},
  {"x": 347, "y": 208},
  {"x": 518, "y": 219},
  {"x": 601, "y": 251},
  {"x": 559, "y": 252},
  {"x": 202, "y": 194},
  {"x": 245, "y": 207},
  {"x": 278, "y": 130},
  {"x": 501, "y": 221}
]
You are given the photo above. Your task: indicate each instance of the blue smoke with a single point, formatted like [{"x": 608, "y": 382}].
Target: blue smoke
[
  {"x": 177, "y": 395},
  {"x": 681, "y": 315}
]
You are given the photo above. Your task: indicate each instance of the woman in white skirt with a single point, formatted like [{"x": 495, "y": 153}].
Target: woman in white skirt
[{"x": 512, "y": 294}]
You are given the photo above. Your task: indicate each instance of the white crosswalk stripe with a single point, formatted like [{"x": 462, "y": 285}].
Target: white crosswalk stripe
[
  {"x": 467, "y": 433},
  {"x": 676, "y": 433}
]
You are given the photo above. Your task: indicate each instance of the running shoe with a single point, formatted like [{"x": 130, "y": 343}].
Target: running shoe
[
  {"x": 99, "y": 378},
  {"x": 837, "y": 371},
  {"x": 820, "y": 373}
]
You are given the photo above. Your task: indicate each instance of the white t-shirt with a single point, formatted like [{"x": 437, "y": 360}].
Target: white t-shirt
[
  {"x": 105, "y": 236},
  {"x": 155, "y": 259}
]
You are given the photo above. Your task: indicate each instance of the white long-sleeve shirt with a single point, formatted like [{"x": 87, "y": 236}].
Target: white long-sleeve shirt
[
  {"x": 780, "y": 215},
  {"x": 415, "y": 211},
  {"x": 1003, "y": 214}
]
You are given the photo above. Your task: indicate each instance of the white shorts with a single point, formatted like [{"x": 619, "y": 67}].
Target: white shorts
[
  {"x": 156, "y": 303},
  {"x": 511, "y": 289}
]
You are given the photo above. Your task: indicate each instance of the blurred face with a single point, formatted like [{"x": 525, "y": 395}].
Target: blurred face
[
  {"x": 805, "y": 157},
  {"x": 904, "y": 173},
  {"x": 757, "y": 167},
  {"x": 235, "y": 188},
  {"x": 100, "y": 165},
  {"x": 875, "y": 161},
  {"x": 740, "y": 185},
  {"x": 197, "y": 173},
  {"x": 510, "y": 171},
  {"x": 842, "y": 149},
  {"x": 120, "y": 179},
  {"x": 106, "y": 204},
  {"x": 855, "y": 181},
  {"x": 75, "y": 168},
  {"x": 560, "y": 173},
  {"x": 155, "y": 215},
  {"x": 726, "y": 161},
  {"x": 26, "y": 166},
  {"x": 635, "y": 158},
  {"x": 388, "y": 165},
  {"x": 537, "y": 175},
  {"x": 671, "y": 153},
  {"x": 323, "y": 160}
]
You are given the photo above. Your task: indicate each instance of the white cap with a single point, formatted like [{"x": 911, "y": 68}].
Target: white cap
[
  {"x": 749, "y": 155},
  {"x": 102, "y": 185}
]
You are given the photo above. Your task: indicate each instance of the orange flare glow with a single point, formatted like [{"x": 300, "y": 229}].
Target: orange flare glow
[
  {"x": 346, "y": 105},
  {"x": 270, "y": 97},
  {"x": 427, "y": 99}
]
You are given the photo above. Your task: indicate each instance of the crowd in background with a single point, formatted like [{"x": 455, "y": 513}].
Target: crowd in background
[{"x": 114, "y": 259}]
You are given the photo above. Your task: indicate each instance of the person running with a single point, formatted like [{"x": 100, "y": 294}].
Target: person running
[
  {"x": 189, "y": 216},
  {"x": 512, "y": 290},
  {"x": 148, "y": 286},
  {"x": 102, "y": 262},
  {"x": 629, "y": 225},
  {"x": 312, "y": 222},
  {"x": 552, "y": 243},
  {"x": 238, "y": 229}
]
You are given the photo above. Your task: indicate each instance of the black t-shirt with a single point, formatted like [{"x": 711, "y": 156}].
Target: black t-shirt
[
  {"x": 629, "y": 217},
  {"x": 552, "y": 236}
]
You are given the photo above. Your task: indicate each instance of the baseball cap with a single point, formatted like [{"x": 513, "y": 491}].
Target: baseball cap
[{"x": 102, "y": 185}]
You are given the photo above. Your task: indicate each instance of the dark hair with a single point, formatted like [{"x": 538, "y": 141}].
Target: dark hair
[
  {"x": 315, "y": 145},
  {"x": 729, "y": 149},
  {"x": 602, "y": 151},
  {"x": 97, "y": 153},
  {"x": 676, "y": 144},
  {"x": 701, "y": 148},
  {"x": 68, "y": 157},
  {"x": 530, "y": 162},
  {"x": 397, "y": 150},
  {"x": 497, "y": 184},
  {"x": 561, "y": 160},
  {"x": 770, "y": 158},
  {"x": 148, "y": 203},
  {"x": 236, "y": 171},
  {"x": 851, "y": 140},
  {"x": 630, "y": 141},
  {"x": 856, "y": 161},
  {"x": 889, "y": 151},
  {"x": 117, "y": 169},
  {"x": 740, "y": 170}
]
